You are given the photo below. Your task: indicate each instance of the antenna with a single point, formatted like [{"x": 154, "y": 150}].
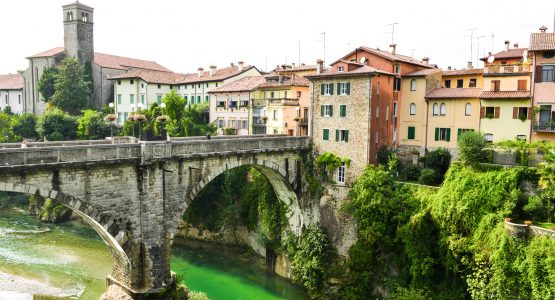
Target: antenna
[
  {"x": 478, "y": 49},
  {"x": 471, "y": 41},
  {"x": 266, "y": 69},
  {"x": 392, "y": 30},
  {"x": 324, "y": 33},
  {"x": 299, "y": 52},
  {"x": 492, "y": 39},
  {"x": 412, "y": 52}
]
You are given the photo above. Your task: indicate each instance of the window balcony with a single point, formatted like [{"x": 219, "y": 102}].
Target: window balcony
[
  {"x": 507, "y": 69},
  {"x": 544, "y": 126},
  {"x": 284, "y": 101}
]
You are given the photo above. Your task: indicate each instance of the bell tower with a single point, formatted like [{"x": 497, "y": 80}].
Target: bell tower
[{"x": 78, "y": 31}]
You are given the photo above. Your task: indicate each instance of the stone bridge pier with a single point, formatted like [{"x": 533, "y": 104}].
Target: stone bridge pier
[{"x": 135, "y": 194}]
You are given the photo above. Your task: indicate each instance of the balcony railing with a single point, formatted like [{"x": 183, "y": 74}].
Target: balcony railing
[
  {"x": 504, "y": 69},
  {"x": 284, "y": 101},
  {"x": 544, "y": 126}
]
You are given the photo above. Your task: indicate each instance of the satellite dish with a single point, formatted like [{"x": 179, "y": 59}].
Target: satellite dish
[
  {"x": 362, "y": 60},
  {"x": 525, "y": 55},
  {"x": 491, "y": 59}
]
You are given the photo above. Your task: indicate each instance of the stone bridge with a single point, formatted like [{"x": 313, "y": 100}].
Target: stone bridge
[{"x": 134, "y": 194}]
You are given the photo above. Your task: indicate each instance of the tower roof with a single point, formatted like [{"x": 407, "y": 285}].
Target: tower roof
[{"x": 78, "y": 4}]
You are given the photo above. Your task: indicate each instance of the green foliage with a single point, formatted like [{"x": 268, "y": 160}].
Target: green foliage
[
  {"x": 471, "y": 148},
  {"x": 24, "y": 126},
  {"x": 230, "y": 131},
  {"x": 56, "y": 125},
  {"x": 8, "y": 110},
  {"x": 412, "y": 172},
  {"x": 46, "y": 83},
  {"x": 91, "y": 126},
  {"x": 427, "y": 176},
  {"x": 54, "y": 212},
  {"x": 438, "y": 160},
  {"x": 5, "y": 134},
  {"x": 71, "y": 90},
  {"x": 384, "y": 153},
  {"x": 331, "y": 161}
]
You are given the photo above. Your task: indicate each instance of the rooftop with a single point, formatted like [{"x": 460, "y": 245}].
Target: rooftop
[
  {"x": 389, "y": 56},
  {"x": 11, "y": 82},
  {"x": 506, "y": 95},
  {"x": 150, "y": 76},
  {"x": 219, "y": 74},
  {"x": 447, "y": 93},
  {"x": 512, "y": 53},
  {"x": 463, "y": 72},
  {"x": 422, "y": 72},
  {"x": 286, "y": 81},
  {"x": 542, "y": 41},
  {"x": 364, "y": 70},
  {"x": 245, "y": 84}
]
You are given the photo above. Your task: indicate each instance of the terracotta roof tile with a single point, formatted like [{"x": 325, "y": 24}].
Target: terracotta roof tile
[
  {"x": 506, "y": 95},
  {"x": 150, "y": 76},
  {"x": 297, "y": 68},
  {"x": 512, "y": 53},
  {"x": 447, "y": 93},
  {"x": 359, "y": 71},
  {"x": 11, "y": 82},
  {"x": 48, "y": 53},
  {"x": 220, "y": 74},
  {"x": 542, "y": 41},
  {"x": 244, "y": 84},
  {"x": 423, "y": 72},
  {"x": 123, "y": 63},
  {"x": 273, "y": 81},
  {"x": 396, "y": 57},
  {"x": 463, "y": 72}
]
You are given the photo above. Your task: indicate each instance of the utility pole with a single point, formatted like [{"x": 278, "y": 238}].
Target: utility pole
[{"x": 392, "y": 30}]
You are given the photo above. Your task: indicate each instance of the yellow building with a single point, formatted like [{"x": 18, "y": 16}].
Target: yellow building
[
  {"x": 471, "y": 78},
  {"x": 451, "y": 111},
  {"x": 414, "y": 107}
]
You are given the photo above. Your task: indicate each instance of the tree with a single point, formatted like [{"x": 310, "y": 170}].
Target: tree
[
  {"x": 8, "y": 110},
  {"x": 24, "y": 126},
  {"x": 56, "y": 125},
  {"x": 71, "y": 91},
  {"x": 175, "y": 105},
  {"x": 46, "y": 83},
  {"x": 471, "y": 148},
  {"x": 4, "y": 127},
  {"x": 92, "y": 126}
]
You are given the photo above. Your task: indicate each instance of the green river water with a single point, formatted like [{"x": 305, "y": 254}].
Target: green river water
[{"x": 70, "y": 259}]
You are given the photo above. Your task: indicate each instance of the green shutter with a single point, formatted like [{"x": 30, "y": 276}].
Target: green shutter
[
  {"x": 326, "y": 134},
  {"x": 348, "y": 88},
  {"x": 338, "y": 88},
  {"x": 321, "y": 89},
  {"x": 411, "y": 133},
  {"x": 331, "y": 88},
  {"x": 448, "y": 136},
  {"x": 437, "y": 134},
  {"x": 337, "y": 135},
  {"x": 321, "y": 110},
  {"x": 342, "y": 110},
  {"x": 346, "y": 135},
  {"x": 331, "y": 110}
]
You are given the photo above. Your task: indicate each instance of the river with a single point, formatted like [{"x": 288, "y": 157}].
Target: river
[{"x": 70, "y": 261}]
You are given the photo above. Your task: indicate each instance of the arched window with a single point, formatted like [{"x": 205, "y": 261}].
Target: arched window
[
  {"x": 412, "y": 109},
  {"x": 69, "y": 16},
  {"x": 442, "y": 109},
  {"x": 413, "y": 85},
  {"x": 86, "y": 17},
  {"x": 435, "y": 110},
  {"x": 467, "y": 109}
]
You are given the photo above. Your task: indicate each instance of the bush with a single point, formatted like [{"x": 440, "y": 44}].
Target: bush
[
  {"x": 92, "y": 126},
  {"x": 438, "y": 160},
  {"x": 24, "y": 126},
  {"x": 384, "y": 153},
  {"x": 471, "y": 148},
  {"x": 57, "y": 125},
  {"x": 412, "y": 172},
  {"x": 428, "y": 176}
]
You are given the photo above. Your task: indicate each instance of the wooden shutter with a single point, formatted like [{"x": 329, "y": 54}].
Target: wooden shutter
[
  {"x": 321, "y": 110},
  {"x": 331, "y": 110},
  {"x": 538, "y": 74},
  {"x": 530, "y": 112},
  {"x": 331, "y": 88},
  {"x": 346, "y": 135},
  {"x": 321, "y": 89},
  {"x": 411, "y": 133},
  {"x": 337, "y": 135},
  {"x": 338, "y": 88},
  {"x": 437, "y": 134},
  {"x": 515, "y": 112},
  {"x": 482, "y": 112},
  {"x": 522, "y": 85},
  {"x": 348, "y": 88},
  {"x": 496, "y": 113},
  {"x": 448, "y": 135},
  {"x": 342, "y": 110},
  {"x": 326, "y": 135}
]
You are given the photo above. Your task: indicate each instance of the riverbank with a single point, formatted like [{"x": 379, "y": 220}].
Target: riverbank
[{"x": 25, "y": 288}]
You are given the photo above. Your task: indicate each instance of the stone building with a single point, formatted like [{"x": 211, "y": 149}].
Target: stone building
[
  {"x": 79, "y": 43},
  {"x": 11, "y": 92}
]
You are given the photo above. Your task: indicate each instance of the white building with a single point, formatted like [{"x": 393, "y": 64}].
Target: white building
[
  {"x": 229, "y": 104},
  {"x": 11, "y": 92}
]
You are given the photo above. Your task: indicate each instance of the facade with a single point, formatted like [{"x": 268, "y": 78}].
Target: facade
[
  {"x": 413, "y": 111},
  {"x": 79, "y": 43},
  {"x": 506, "y": 102},
  {"x": 467, "y": 78},
  {"x": 542, "y": 51},
  {"x": 229, "y": 104},
  {"x": 285, "y": 100},
  {"x": 450, "y": 113},
  {"x": 11, "y": 93}
]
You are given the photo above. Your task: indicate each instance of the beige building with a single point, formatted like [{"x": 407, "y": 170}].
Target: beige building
[{"x": 11, "y": 93}]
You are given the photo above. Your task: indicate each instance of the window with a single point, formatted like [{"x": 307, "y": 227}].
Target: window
[
  {"x": 397, "y": 68},
  {"x": 472, "y": 82},
  {"x": 460, "y": 83},
  {"x": 142, "y": 85},
  {"x": 341, "y": 173},
  {"x": 547, "y": 73},
  {"x": 143, "y": 98},
  {"x": 221, "y": 123},
  {"x": 342, "y": 110},
  {"x": 340, "y": 69},
  {"x": 326, "y": 110},
  {"x": 159, "y": 85},
  {"x": 69, "y": 16},
  {"x": 244, "y": 124},
  {"x": 413, "y": 85},
  {"x": 272, "y": 95},
  {"x": 275, "y": 114},
  {"x": 199, "y": 85},
  {"x": 435, "y": 109},
  {"x": 488, "y": 137},
  {"x": 299, "y": 93},
  {"x": 397, "y": 84},
  {"x": 131, "y": 81},
  {"x": 377, "y": 112},
  {"x": 326, "y": 89},
  {"x": 520, "y": 113},
  {"x": 411, "y": 133},
  {"x": 378, "y": 89},
  {"x": 244, "y": 103},
  {"x": 341, "y": 135},
  {"x": 442, "y": 109},
  {"x": 206, "y": 98},
  {"x": 412, "y": 109},
  {"x": 232, "y": 123},
  {"x": 220, "y": 103},
  {"x": 395, "y": 109},
  {"x": 343, "y": 88},
  {"x": 447, "y": 83},
  {"x": 207, "y": 85},
  {"x": 490, "y": 112},
  {"x": 19, "y": 99},
  {"x": 119, "y": 82},
  {"x": 443, "y": 134},
  {"x": 521, "y": 137},
  {"x": 468, "y": 109},
  {"x": 522, "y": 85},
  {"x": 119, "y": 98},
  {"x": 7, "y": 101},
  {"x": 377, "y": 137},
  {"x": 326, "y": 135},
  {"x": 216, "y": 84},
  {"x": 198, "y": 98},
  {"x": 125, "y": 116},
  {"x": 495, "y": 85},
  {"x": 131, "y": 98},
  {"x": 159, "y": 99}
]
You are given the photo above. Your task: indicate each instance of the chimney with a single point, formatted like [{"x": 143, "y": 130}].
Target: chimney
[
  {"x": 515, "y": 45},
  {"x": 280, "y": 78},
  {"x": 507, "y": 42},
  {"x": 393, "y": 48},
  {"x": 543, "y": 29},
  {"x": 489, "y": 53},
  {"x": 232, "y": 64},
  {"x": 212, "y": 70},
  {"x": 200, "y": 71},
  {"x": 319, "y": 66},
  {"x": 240, "y": 64},
  {"x": 293, "y": 66},
  {"x": 469, "y": 66},
  {"x": 426, "y": 60},
  {"x": 302, "y": 64},
  {"x": 449, "y": 68}
]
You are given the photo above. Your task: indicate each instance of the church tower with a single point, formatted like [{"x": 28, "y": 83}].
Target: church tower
[{"x": 78, "y": 31}]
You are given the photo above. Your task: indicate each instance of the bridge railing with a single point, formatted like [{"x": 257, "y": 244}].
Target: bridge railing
[
  {"x": 107, "y": 141},
  {"x": 239, "y": 144}
]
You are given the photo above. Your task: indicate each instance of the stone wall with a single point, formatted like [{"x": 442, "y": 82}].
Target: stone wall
[
  {"x": 524, "y": 231},
  {"x": 340, "y": 226}
]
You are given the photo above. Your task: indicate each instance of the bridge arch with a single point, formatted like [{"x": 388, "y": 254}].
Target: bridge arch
[{"x": 104, "y": 224}]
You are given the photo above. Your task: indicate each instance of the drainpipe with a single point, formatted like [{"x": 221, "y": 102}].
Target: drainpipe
[
  {"x": 427, "y": 123},
  {"x": 369, "y": 114},
  {"x": 33, "y": 85}
]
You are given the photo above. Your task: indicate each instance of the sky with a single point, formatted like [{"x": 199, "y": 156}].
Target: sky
[{"x": 185, "y": 35}]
